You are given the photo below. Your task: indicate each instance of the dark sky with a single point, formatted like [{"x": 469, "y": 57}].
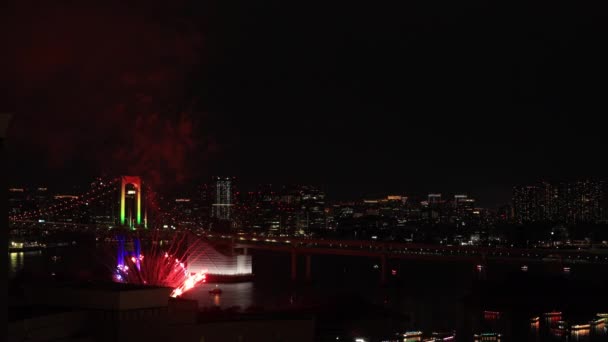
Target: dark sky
[{"x": 364, "y": 98}]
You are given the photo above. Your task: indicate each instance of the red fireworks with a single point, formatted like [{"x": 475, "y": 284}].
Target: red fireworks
[{"x": 160, "y": 263}]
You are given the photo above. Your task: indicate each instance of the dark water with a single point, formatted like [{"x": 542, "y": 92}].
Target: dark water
[{"x": 346, "y": 295}]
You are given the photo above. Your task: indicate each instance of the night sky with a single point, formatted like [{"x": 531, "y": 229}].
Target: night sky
[{"x": 364, "y": 98}]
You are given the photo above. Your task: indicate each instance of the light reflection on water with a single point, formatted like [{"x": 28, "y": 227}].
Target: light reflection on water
[
  {"x": 549, "y": 329},
  {"x": 233, "y": 295},
  {"x": 16, "y": 262}
]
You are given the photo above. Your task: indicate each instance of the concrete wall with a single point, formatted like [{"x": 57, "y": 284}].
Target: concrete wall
[
  {"x": 183, "y": 311},
  {"x": 47, "y": 327},
  {"x": 99, "y": 299},
  {"x": 247, "y": 331}
]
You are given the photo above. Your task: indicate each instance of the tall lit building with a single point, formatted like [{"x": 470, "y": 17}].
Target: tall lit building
[
  {"x": 567, "y": 202},
  {"x": 434, "y": 199},
  {"x": 434, "y": 208},
  {"x": 463, "y": 206},
  {"x": 549, "y": 201},
  {"x": 17, "y": 201},
  {"x": 311, "y": 215},
  {"x": 223, "y": 201},
  {"x": 104, "y": 210},
  {"x": 581, "y": 201},
  {"x": 527, "y": 203}
]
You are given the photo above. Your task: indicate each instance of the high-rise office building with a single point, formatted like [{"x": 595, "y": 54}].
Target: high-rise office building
[
  {"x": 463, "y": 206},
  {"x": 223, "y": 200},
  {"x": 549, "y": 201},
  {"x": 434, "y": 199},
  {"x": 581, "y": 201},
  {"x": 104, "y": 210},
  {"x": 311, "y": 215},
  {"x": 527, "y": 203},
  {"x": 434, "y": 211},
  {"x": 567, "y": 202}
]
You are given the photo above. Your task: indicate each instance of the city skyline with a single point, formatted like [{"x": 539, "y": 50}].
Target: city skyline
[
  {"x": 583, "y": 200},
  {"x": 359, "y": 194}
]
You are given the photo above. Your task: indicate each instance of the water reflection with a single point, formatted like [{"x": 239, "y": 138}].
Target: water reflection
[
  {"x": 580, "y": 335},
  {"x": 16, "y": 262},
  {"x": 535, "y": 330},
  {"x": 233, "y": 295},
  {"x": 600, "y": 330}
]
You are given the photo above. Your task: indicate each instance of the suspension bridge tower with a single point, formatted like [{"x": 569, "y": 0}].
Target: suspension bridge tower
[{"x": 130, "y": 202}]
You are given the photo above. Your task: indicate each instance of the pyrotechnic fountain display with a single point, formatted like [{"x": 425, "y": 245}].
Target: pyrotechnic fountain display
[
  {"x": 157, "y": 264},
  {"x": 220, "y": 267},
  {"x": 182, "y": 262}
]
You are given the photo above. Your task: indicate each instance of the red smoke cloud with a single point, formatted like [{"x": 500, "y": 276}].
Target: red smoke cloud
[{"x": 104, "y": 87}]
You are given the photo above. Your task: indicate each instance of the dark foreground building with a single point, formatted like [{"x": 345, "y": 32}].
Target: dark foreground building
[{"x": 118, "y": 312}]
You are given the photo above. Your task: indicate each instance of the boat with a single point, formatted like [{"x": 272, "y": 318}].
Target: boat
[
  {"x": 216, "y": 291},
  {"x": 600, "y": 318},
  {"x": 444, "y": 336},
  {"x": 534, "y": 319},
  {"x": 524, "y": 268},
  {"x": 412, "y": 336},
  {"x": 487, "y": 337},
  {"x": 552, "y": 314},
  {"x": 580, "y": 327}
]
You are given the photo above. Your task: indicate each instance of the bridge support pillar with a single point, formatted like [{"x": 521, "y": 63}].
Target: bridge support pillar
[
  {"x": 383, "y": 269},
  {"x": 308, "y": 261},
  {"x": 294, "y": 265}
]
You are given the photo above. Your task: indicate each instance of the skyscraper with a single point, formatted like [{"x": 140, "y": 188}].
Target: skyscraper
[
  {"x": 581, "y": 201},
  {"x": 223, "y": 202},
  {"x": 567, "y": 202},
  {"x": 527, "y": 203},
  {"x": 311, "y": 215},
  {"x": 434, "y": 210},
  {"x": 434, "y": 199},
  {"x": 463, "y": 206}
]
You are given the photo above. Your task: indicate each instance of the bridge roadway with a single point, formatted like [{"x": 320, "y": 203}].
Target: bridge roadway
[{"x": 395, "y": 250}]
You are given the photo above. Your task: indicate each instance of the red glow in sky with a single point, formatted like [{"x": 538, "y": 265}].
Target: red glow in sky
[{"x": 103, "y": 87}]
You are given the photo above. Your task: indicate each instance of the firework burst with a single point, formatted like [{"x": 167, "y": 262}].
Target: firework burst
[{"x": 155, "y": 261}]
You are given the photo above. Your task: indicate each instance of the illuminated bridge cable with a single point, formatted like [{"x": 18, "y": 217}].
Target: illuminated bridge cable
[{"x": 74, "y": 201}]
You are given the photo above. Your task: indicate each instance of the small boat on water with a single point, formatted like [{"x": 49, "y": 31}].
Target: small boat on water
[
  {"x": 580, "y": 327},
  {"x": 534, "y": 319},
  {"x": 552, "y": 314},
  {"x": 215, "y": 291}
]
